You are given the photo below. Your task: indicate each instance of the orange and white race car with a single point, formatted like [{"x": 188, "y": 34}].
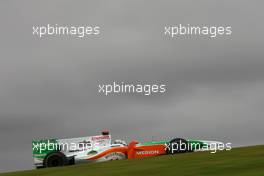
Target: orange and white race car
[{"x": 60, "y": 152}]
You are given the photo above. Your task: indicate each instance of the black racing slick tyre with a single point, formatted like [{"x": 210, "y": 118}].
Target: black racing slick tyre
[
  {"x": 55, "y": 159},
  {"x": 177, "y": 145},
  {"x": 39, "y": 167}
]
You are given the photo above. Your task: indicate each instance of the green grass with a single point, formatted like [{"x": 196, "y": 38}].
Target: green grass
[{"x": 239, "y": 161}]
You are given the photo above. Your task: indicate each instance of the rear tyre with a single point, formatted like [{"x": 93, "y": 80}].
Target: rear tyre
[
  {"x": 55, "y": 160},
  {"x": 177, "y": 145}
]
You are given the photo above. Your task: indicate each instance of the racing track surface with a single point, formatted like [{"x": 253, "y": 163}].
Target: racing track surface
[{"x": 240, "y": 161}]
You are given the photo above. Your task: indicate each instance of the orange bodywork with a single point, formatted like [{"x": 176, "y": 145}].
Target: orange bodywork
[
  {"x": 134, "y": 151},
  {"x": 146, "y": 151}
]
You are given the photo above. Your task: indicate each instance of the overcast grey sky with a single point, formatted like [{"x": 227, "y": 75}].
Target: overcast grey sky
[{"x": 48, "y": 87}]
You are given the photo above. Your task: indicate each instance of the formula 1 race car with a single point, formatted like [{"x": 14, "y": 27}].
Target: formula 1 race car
[{"x": 60, "y": 152}]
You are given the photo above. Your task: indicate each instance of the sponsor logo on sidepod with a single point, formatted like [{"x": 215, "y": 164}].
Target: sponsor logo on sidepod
[{"x": 150, "y": 152}]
